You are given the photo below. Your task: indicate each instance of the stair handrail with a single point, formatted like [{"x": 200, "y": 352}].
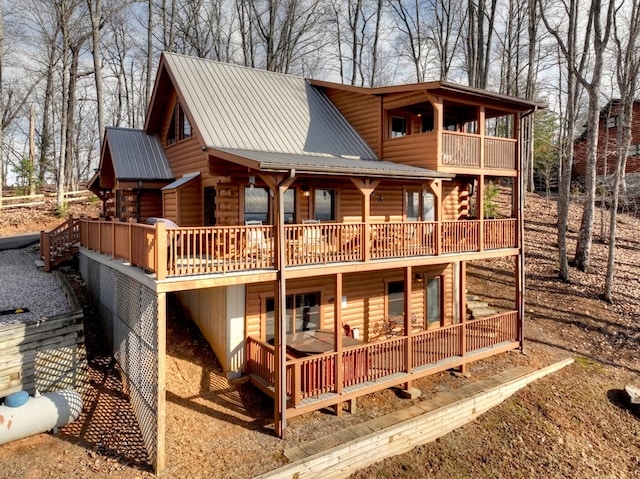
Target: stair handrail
[{"x": 64, "y": 237}]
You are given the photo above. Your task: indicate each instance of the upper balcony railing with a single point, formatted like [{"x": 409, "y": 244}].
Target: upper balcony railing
[
  {"x": 222, "y": 249},
  {"x": 459, "y": 150}
]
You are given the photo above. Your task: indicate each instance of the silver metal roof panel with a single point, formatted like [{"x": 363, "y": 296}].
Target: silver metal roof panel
[
  {"x": 136, "y": 155},
  {"x": 245, "y": 108}
]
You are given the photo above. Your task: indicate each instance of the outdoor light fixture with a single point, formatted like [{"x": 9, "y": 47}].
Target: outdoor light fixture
[
  {"x": 252, "y": 181},
  {"x": 419, "y": 278},
  {"x": 305, "y": 190}
]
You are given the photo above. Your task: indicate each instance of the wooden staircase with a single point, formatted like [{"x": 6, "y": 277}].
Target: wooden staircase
[{"x": 59, "y": 244}]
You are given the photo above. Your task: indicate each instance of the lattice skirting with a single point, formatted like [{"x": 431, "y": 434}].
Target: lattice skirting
[{"x": 128, "y": 313}]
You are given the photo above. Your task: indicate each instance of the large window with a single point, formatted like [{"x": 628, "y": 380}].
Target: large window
[
  {"x": 419, "y": 206},
  {"x": 433, "y": 287},
  {"x": 325, "y": 205},
  {"x": 256, "y": 204},
  {"x": 302, "y": 314},
  {"x": 395, "y": 299},
  {"x": 179, "y": 126}
]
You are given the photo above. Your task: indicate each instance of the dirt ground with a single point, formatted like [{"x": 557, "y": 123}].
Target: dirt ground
[{"x": 574, "y": 423}]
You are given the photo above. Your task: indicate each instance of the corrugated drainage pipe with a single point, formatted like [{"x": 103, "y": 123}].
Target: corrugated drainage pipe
[{"x": 33, "y": 415}]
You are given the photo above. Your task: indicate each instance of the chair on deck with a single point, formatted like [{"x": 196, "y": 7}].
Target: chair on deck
[
  {"x": 312, "y": 239},
  {"x": 256, "y": 243}
]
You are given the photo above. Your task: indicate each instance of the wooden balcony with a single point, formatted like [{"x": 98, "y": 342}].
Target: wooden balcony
[
  {"x": 459, "y": 150},
  {"x": 314, "y": 382},
  {"x": 212, "y": 250}
]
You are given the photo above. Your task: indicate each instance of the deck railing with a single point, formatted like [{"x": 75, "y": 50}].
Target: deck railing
[
  {"x": 222, "y": 249},
  {"x": 460, "y": 149},
  {"x": 315, "y": 375},
  {"x": 500, "y": 153}
]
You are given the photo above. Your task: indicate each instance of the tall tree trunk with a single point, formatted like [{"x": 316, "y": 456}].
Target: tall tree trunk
[
  {"x": 600, "y": 40},
  {"x": 45, "y": 136},
  {"x": 1, "y": 106},
  {"x": 96, "y": 15},
  {"x": 627, "y": 74}
]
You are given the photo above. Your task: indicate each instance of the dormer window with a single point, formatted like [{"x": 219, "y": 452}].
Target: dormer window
[{"x": 179, "y": 127}]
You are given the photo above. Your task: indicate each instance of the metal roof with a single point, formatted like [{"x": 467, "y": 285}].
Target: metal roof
[
  {"x": 326, "y": 164},
  {"x": 137, "y": 155},
  {"x": 248, "y": 109},
  {"x": 182, "y": 181}
]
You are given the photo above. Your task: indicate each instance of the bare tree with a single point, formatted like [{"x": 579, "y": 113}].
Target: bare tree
[
  {"x": 599, "y": 40},
  {"x": 409, "y": 15},
  {"x": 568, "y": 45},
  {"x": 478, "y": 42},
  {"x": 2, "y": 110},
  {"x": 447, "y": 16},
  {"x": 627, "y": 73}
]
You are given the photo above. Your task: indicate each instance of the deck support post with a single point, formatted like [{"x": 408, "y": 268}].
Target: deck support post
[
  {"x": 337, "y": 338},
  {"x": 463, "y": 313},
  {"x": 279, "y": 186},
  {"x": 408, "y": 329},
  {"x": 480, "y": 206},
  {"x": 519, "y": 187}
]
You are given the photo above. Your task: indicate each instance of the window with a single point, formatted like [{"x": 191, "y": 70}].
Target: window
[
  {"x": 395, "y": 299},
  {"x": 302, "y": 314},
  {"x": 325, "y": 205},
  {"x": 432, "y": 286},
  {"x": 179, "y": 126},
  {"x": 612, "y": 121},
  {"x": 185, "y": 126},
  {"x": 398, "y": 126},
  {"x": 419, "y": 206},
  {"x": 290, "y": 206},
  {"x": 256, "y": 204},
  {"x": 634, "y": 150}
]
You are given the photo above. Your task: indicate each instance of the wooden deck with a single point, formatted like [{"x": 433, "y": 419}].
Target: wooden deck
[
  {"x": 312, "y": 382},
  {"x": 172, "y": 252}
]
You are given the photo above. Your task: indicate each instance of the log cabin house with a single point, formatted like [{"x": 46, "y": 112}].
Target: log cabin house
[
  {"x": 606, "y": 159},
  {"x": 323, "y": 230}
]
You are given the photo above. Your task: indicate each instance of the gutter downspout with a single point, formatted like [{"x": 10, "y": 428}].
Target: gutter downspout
[{"x": 521, "y": 260}]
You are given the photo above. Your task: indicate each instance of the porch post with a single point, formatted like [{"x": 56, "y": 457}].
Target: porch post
[
  {"x": 463, "y": 313},
  {"x": 480, "y": 206},
  {"x": 481, "y": 132},
  {"x": 520, "y": 195},
  {"x": 366, "y": 187},
  {"x": 408, "y": 330},
  {"x": 280, "y": 399},
  {"x": 337, "y": 339}
]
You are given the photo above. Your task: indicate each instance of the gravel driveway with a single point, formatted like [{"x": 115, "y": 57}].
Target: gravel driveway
[{"x": 23, "y": 285}]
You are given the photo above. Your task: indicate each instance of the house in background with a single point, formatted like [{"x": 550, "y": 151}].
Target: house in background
[
  {"x": 607, "y": 143},
  {"x": 324, "y": 232}
]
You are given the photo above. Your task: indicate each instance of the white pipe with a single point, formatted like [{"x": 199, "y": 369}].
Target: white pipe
[{"x": 39, "y": 414}]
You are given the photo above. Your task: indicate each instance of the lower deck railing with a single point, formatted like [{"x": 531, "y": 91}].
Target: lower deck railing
[
  {"x": 315, "y": 375},
  {"x": 221, "y": 249}
]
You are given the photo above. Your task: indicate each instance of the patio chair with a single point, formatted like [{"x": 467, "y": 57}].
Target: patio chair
[
  {"x": 256, "y": 243},
  {"x": 312, "y": 240}
]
